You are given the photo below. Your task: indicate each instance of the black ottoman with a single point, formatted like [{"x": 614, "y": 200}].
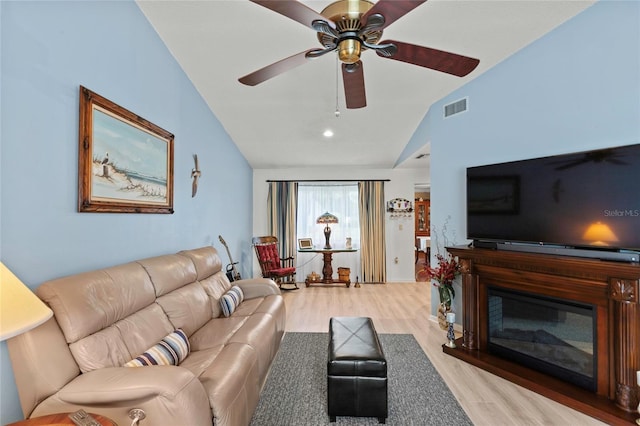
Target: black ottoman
[{"x": 356, "y": 370}]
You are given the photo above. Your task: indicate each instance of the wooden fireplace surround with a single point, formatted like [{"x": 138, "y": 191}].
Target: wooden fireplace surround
[{"x": 613, "y": 289}]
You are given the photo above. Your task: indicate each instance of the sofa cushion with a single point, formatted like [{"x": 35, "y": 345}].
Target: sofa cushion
[
  {"x": 89, "y": 302},
  {"x": 258, "y": 332},
  {"x": 188, "y": 307},
  {"x": 248, "y": 307},
  {"x": 206, "y": 261},
  {"x": 171, "y": 350},
  {"x": 216, "y": 286},
  {"x": 269, "y": 304},
  {"x": 216, "y": 332},
  {"x": 169, "y": 272},
  {"x": 117, "y": 344},
  {"x": 100, "y": 350},
  {"x": 231, "y": 300},
  {"x": 233, "y": 384},
  {"x": 258, "y": 287},
  {"x": 198, "y": 361}
]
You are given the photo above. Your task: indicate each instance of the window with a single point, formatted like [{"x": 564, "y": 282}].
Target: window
[{"x": 339, "y": 199}]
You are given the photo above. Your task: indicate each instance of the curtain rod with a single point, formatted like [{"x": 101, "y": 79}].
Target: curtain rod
[{"x": 330, "y": 180}]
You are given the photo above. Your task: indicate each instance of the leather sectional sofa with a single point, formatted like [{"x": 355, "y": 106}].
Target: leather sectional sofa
[{"x": 109, "y": 318}]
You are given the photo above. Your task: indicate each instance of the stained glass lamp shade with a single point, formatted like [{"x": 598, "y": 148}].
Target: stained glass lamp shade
[{"x": 326, "y": 219}]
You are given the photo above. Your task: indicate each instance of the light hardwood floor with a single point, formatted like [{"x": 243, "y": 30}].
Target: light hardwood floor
[{"x": 404, "y": 308}]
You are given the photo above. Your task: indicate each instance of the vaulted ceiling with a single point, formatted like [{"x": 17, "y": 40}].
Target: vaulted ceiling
[{"x": 280, "y": 123}]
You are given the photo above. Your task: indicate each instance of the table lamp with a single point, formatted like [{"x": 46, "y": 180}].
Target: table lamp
[
  {"x": 20, "y": 309},
  {"x": 326, "y": 219}
]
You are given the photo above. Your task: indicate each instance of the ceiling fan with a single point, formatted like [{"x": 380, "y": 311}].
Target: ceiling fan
[{"x": 350, "y": 27}]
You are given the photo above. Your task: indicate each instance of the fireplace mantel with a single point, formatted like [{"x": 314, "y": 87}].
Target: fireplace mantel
[{"x": 611, "y": 287}]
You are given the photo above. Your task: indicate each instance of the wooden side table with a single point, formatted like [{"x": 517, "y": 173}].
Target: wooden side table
[
  {"x": 60, "y": 419},
  {"x": 327, "y": 268}
]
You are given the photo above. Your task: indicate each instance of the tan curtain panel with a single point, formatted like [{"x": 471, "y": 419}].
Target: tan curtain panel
[
  {"x": 282, "y": 207},
  {"x": 372, "y": 240}
]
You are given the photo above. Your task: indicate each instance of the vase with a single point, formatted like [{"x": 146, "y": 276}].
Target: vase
[{"x": 443, "y": 309}]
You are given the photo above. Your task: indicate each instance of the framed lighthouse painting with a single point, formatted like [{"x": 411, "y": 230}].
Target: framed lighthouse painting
[{"x": 125, "y": 163}]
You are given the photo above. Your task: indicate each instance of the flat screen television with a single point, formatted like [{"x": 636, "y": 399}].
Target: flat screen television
[{"x": 584, "y": 204}]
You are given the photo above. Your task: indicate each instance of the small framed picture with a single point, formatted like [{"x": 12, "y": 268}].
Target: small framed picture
[{"x": 305, "y": 244}]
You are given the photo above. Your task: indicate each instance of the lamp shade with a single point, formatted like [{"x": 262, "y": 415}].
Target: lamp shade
[
  {"x": 327, "y": 218},
  {"x": 20, "y": 309}
]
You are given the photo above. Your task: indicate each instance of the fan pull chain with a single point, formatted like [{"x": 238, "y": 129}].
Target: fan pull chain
[{"x": 337, "y": 68}]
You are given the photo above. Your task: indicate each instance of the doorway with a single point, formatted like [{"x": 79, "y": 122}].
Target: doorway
[{"x": 422, "y": 226}]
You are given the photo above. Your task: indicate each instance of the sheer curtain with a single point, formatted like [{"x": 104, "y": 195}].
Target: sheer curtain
[{"x": 341, "y": 200}]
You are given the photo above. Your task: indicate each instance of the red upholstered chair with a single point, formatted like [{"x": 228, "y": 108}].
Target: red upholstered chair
[{"x": 279, "y": 269}]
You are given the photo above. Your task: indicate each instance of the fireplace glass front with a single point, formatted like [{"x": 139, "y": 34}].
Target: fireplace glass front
[{"x": 554, "y": 336}]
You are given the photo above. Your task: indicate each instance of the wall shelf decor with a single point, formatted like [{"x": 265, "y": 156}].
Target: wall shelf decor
[{"x": 400, "y": 207}]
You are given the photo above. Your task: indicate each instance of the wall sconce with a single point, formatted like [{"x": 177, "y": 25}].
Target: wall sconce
[
  {"x": 326, "y": 219},
  {"x": 599, "y": 234},
  {"x": 20, "y": 309}
]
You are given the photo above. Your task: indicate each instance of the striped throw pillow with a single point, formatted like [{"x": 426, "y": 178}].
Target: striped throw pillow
[
  {"x": 169, "y": 351},
  {"x": 231, "y": 300},
  {"x": 237, "y": 290}
]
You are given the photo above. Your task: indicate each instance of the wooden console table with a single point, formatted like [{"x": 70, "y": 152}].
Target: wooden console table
[
  {"x": 612, "y": 288},
  {"x": 327, "y": 268}
]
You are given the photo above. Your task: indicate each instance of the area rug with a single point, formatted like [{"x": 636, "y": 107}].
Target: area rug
[{"x": 296, "y": 389}]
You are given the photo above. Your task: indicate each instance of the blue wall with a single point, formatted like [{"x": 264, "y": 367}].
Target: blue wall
[
  {"x": 49, "y": 49},
  {"x": 577, "y": 88}
]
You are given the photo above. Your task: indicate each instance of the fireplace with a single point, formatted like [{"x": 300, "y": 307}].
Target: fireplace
[
  {"x": 567, "y": 328},
  {"x": 551, "y": 335}
]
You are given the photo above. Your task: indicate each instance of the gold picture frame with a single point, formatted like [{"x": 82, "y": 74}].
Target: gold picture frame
[
  {"x": 305, "y": 243},
  {"x": 125, "y": 163}
]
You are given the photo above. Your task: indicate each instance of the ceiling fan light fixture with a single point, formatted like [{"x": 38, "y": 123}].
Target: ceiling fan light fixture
[
  {"x": 349, "y": 27},
  {"x": 349, "y": 51}
]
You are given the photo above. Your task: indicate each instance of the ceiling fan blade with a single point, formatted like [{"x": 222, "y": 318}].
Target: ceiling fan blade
[
  {"x": 438, "y": 60},
  {"x": 392, "y": 10},
  {"x": 353, "y": 79},
  {"x": 295, "y": 10},
  {"x": 277, "y": 68}
]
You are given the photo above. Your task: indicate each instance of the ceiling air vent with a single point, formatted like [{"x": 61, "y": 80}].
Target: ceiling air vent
[{"x": 455, "y": 107}]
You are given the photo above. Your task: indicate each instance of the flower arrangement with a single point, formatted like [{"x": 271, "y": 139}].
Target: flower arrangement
[
  {"x": 447, "y": 269},
  {"x": 443, "y": 275}
]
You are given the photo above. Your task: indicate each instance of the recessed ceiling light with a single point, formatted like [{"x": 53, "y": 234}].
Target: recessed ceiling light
[{"x": 328, "y": 133}]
